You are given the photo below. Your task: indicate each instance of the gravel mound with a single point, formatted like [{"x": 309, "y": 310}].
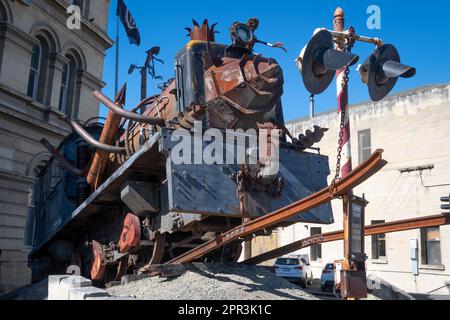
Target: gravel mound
[
  {"x": 214, "y": 282},
  {"x": 37, "y": 291}
]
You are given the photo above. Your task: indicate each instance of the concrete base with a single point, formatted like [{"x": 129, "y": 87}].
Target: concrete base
[{"x": 68, "y": 287}]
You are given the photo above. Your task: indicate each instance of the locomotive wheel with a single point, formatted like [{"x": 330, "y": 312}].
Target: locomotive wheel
[
  {"x": 158, "y": 249},
  {"x": 98, "y": 267}
]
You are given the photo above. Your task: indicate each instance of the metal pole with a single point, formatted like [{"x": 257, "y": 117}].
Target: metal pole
[
  {"x": 143, "y": 86},
  {"x": 311, "y": 106},
  {"x": 342, "y": 95},
  {"x": 116, "y": 87},
  {"x": 143, "y": 83}
]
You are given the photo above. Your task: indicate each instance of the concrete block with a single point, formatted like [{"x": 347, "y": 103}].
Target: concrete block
[
  {"x": 76, "y": 282},
  {"x": 54, "y": 288},
  {"x": 59, "y": 286},
  {"x": 87, "y": 292}
]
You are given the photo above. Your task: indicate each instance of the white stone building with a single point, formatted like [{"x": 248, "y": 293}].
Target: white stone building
[
  {"x": 413, "y": 128},
  {"x": 46, "y": 71}
]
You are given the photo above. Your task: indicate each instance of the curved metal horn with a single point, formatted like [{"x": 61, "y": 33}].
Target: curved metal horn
[
  {"x": 126, "y": 114},
  {"x": 91, "y": 140}
]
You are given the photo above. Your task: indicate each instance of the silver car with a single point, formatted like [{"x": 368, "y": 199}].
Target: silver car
[
  {"x": 294, "y": 269},
  {"x": 327, "y": 278}
]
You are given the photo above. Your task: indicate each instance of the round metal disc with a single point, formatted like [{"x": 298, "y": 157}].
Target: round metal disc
[
  {"x": 316, "y": 83},
  {"x": 378, "y": 90},
  {"x": 131, "y": 233}
]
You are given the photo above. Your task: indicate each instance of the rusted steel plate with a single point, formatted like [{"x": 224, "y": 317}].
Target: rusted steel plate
[
  {"x": 356, "y": 177},
  {"x": 389, "y": 227}
]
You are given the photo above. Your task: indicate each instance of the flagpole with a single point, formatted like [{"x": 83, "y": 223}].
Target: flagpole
[{"x": 116, "y": 88}]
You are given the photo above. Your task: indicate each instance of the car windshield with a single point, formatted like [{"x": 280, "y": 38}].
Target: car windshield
[
  {"x": 287, "y": 261},
  {"x": 329, "y": 266}
]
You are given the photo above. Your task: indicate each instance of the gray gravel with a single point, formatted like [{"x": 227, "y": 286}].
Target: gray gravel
[
  {"x": 214, "y": 282},
  {"x": 37, "y": 291}
]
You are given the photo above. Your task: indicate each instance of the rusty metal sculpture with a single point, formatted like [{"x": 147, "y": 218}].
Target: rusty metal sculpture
[{"x": 142, "y": 208}]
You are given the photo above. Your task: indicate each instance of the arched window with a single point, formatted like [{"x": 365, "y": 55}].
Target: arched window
[
  {"x": 39, "y": 66},
  {"x": 33, "y": 80},
  {"x": 70, "y": 85},
  {"x": 64, "y": 88}
]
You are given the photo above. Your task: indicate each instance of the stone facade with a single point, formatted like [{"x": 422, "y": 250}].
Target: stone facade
[
  {"x": 68, "y": 66},
  {"x": 413, "y": 128}
]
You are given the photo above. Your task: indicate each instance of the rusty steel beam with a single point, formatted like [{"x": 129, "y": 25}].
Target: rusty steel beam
[
  {"x": 108, "y": 135},
  {"x": 356, "y": 177},
  {"x": 388, "y": 227}
]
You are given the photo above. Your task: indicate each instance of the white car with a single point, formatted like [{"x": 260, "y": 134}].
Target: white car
[
  {"x": 327, "y": 278},
  {"x": 295, "y": 269}
]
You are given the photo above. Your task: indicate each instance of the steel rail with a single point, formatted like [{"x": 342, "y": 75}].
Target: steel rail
[
  {"x": 388, "y": 227},
  {"x": 126, "y": 114},
  {"x": 356, "y": 177}
]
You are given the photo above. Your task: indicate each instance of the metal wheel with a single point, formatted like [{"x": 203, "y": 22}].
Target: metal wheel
[{"x": 158, "y": 249}]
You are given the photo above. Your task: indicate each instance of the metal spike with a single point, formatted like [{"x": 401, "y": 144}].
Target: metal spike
[{"x": 121, "y": 95}]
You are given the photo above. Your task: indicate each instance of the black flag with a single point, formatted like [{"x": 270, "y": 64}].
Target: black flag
[{"x": 129, "y": 23}]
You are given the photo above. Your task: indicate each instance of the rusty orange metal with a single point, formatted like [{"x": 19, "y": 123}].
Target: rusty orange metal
[
  {"x": 108, "y": 136},
  {"x": 131, "y": 233},
  {"x": 98, "y": 263}
]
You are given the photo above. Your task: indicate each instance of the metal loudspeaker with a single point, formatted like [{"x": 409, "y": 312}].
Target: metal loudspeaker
[
  {"x": 319, "y": 61},
  {"x": 381, "y": 71}
]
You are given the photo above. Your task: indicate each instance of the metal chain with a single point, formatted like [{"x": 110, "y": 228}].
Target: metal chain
[{"x": 344, "y": 84}]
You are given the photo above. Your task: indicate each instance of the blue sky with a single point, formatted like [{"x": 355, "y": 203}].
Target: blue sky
[{"x": 417, "y": 28}]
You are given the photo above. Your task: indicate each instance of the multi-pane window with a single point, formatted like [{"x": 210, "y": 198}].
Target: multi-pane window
[
  {"x": 33, "y": 80},
  {"x": 431, "y": 246},
  {"x": 364, "y": 145},
  {"x": 316, "y": 249},
  {"x": 378, "y": 243},
  {"x": 64, "y": 88}
]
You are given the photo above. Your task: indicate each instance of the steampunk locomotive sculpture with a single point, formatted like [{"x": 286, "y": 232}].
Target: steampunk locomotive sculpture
[{"x": 113, "y": 199}]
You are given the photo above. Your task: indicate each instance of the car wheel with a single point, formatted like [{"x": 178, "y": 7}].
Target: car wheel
[{"x": 304, "y": 283}]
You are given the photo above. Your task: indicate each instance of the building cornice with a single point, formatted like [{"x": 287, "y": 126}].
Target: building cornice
[
  {"x": 92, "y": 81},
  {"x": 92, "y": 27},
  {"x": 18, "y": 36},
  {"x": 15, "y": 177},
  {"x": 59, "y": 130}
]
